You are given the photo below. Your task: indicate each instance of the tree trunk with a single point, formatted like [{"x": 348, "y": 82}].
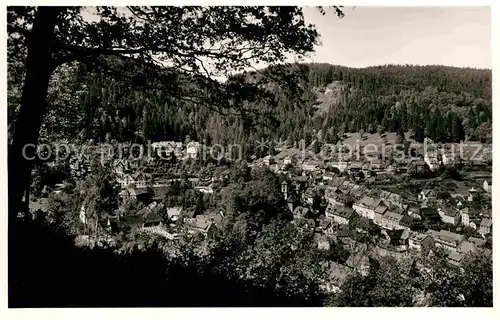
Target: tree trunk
[{"x": 39, "y": 67}]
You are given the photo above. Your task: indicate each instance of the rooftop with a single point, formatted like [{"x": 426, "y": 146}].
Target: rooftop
[
  {"x": 418, "y": 237},
  {"x": 486, "y": 222},
  {"x": 198, "y": 223},
  {"x": 450, "y": 237},
  {"x": 368, "y": 202},
  {"x": 466, "y": 247},
  {"x": 392, "y": 216},
  {"x": 340, "y": 211},
  {"x": 380, "y": 209}
]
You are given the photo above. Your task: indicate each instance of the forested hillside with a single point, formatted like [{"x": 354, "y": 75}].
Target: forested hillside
[{"x": 443, "y": 103}]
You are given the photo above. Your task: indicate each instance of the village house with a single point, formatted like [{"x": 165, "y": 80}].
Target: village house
[
  {"x": 336, "y": 276},
  {"x": 337, "y": 182},
  {"x": 485, "y": 226},
  {"x": 464, "y": 216},
  {"x": 139, "y": 194},
  {"x": 340, "y": 165},
  {"x": 124, "y": 180},
  {"x": 121, "y": 166},
  {"x": 430, "y": 216},
  {"x": 448, "y": 240},
  {"x": 341, "y": 199},
  {"x": 322, "y": 241},
  {"x": 359, "y": 262},
  {"x": 391, "y": 220},
  {"x": 150, "y": 216},
  {"x": 473, "y": 225},
  {"x": 166, "y": 148},
  {"x": 366, "y": 169},
  {"x": 204, "y": 189},
  {"x": 140, "y": 179},
  {"x": 339, "y": 214},
  {"x": 331, "y": 193},
  {"x": 292, "y": 202},
  {"x": 414, "y": 208},
  {"x": 420, "y": 242},
  {"x": 287, "y": 156},
  {"x": 193, "y": 149},
  {"x": 449, "y": 158},
  {"x": 393, "y": 200},
  {"x": 418, "y": 165},
  {"x": 325, "y": 226},
  {"x": 268, "y": 160},
  {"x": 359, "y": 191},
  {"x": 398, "y": 239},
  {"x": 312, "y": 165},
  {"x": 427, "y": 195},
  {"x": 213, "y": 215},
  {"x": 412, "y": 221},
  {"x": 401, "y": 166},
  {"x": 449, "y": 216},
  {"x": 455, "y": 258},
  {"x": 198, "y": 225},
  {"x": 366, "y": 207},
  {"x": 466, "y": 247},
  {"x": 300, "y": 183},
  {"x": 301, "y": 213},
  {"x": 174, "y": 213},
  {"x": 432, "y": 161},
  {"x": 346, "y": 187},
  {"x": 380, "y": 210},
  {"x": 145, "y": 220},
  {"x": 309, "y": 195},
  {"x": 316, "y": 176}
]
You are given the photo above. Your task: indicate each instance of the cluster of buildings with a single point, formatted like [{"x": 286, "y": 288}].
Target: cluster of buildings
[
  {"x": 328, "y": 195},
  {"x": 328, "y": 199}
]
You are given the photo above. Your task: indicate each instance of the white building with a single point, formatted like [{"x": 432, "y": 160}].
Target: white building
[
  {"x": 341, "y": 165},
  {"x": 311, "y": 165},
  {"x": 391, "y": 220},
  {"x": 487, "y": 186},
  {"x": 366, "y": 207},
  {"x": 464, "y": 217},
  {"x": 339, "y": 214},
  {"x": 432, "y": 161},
  {"x": 163, "y": 148},
  {"x": 418, "y": 241},
  {"x": 204, "y": 189},
  {"x": 449, "y": 216},
  {"x": 426, "y": 194},
  {"x": 83, "y": 216},
  {"x": 192, "y": 149},
  {"x": 485, "y": 226}
]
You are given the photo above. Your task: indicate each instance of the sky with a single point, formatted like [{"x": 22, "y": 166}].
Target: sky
[{"x": 367, "y": 36}]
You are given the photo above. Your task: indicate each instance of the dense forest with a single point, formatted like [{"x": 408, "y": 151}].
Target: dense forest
[{"x": 443, "y": 103}]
